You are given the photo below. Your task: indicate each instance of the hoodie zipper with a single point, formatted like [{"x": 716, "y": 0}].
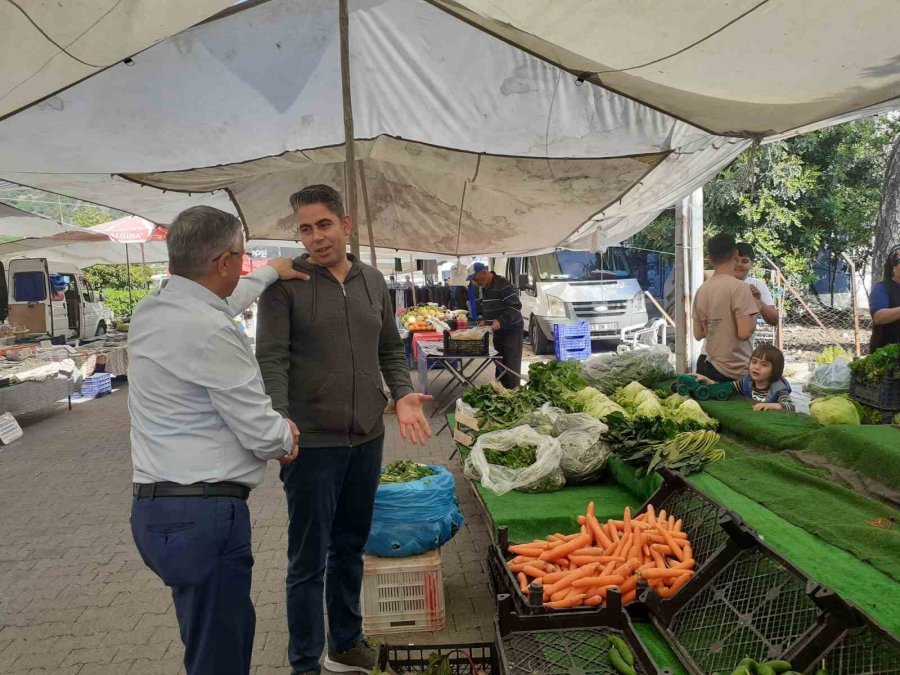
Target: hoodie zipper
[{"x": 352, "y": 366}]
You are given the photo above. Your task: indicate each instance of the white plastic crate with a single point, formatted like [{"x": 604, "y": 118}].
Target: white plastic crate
[
  {"x": 403, "y": 595},
  {"x": 9, "y": 429}
]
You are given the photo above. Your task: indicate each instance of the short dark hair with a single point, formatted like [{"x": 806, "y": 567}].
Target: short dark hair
[
  {"x": 721, "y": 247},
  {"x": 771, "y": 354},
  {"x": 745, "y": 250},
  {"x": 319, "y": 194}
]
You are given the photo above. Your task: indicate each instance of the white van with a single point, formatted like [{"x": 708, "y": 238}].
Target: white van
[
  {"x": 55, "y": 299},
  {"x": 570, "y": 286}
]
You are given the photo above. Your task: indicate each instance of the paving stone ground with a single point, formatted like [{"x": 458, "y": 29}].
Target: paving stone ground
[{"x": 75, "y": 598}]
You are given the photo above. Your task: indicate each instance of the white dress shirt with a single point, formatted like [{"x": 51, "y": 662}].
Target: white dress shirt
[{"x": 199, "y": 411}]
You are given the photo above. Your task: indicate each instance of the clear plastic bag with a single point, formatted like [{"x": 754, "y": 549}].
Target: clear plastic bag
[
  {"x": 584, "y": 455},
  {"x": 832, "y": 378},
  {"x": 580, "y": 421},
  {"x": 608, "y": 372},
  {"x": 543, "y": 419},
  {"x": 544, "y": 475}
]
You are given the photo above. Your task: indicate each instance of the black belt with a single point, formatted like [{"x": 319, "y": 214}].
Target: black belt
[{"x": 151, "y": 490}]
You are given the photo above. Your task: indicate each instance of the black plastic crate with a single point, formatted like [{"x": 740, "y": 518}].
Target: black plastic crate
[
  {"x": 454, "y": 347},
  {"x": 564, "y": 651},
  {"x": 465, "y": 659},
  {"x": 884, "y": 395},
  {"x": 866, "y": 650},
  {"x": 504, "y": 584},
  {"x": 756, "y": 606}
]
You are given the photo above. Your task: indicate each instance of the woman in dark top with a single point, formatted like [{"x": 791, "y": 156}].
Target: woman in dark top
[{"x": 884, "y": 304}]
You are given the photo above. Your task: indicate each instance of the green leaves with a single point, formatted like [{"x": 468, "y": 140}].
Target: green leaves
[
  {"x": 881, "y": 364},
  {"x": 405, "y": 471}
]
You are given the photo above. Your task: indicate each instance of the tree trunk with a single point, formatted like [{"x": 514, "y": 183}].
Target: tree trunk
[{"x": 887, "y": 229}]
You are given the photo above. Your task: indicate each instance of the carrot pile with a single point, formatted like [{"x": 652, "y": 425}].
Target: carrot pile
[{"x": 578, "y": 569}]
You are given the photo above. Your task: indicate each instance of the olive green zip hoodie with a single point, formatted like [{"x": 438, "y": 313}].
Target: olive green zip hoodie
[{"x": 323, "y": 346}]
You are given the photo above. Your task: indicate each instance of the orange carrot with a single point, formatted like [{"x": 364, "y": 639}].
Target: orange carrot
[
  {"x": 594, "y": 601},
  {"x": 591, "y": 511},
  {"x": 686, "y": 564},
  {"x": 578, "y": 573},
  {"x": 561, "y": 595},
  {"x": 581, "y": 520},
  {"x": 530, "y": 551},
  {"x": 671, "y": 522},
  {"x": 571, "y": 601},
  {"x": 678, "y": 524},
  {"x": 610, "y": 566},
  {"x": 589, "y": 582},
  {"x": 613, "y": 532},
  {"x": 661, "y": 519},
  {"x": 523, "y": 583},
  {"x": 657, "y": 573},
  {"x": 590, "y": 550},
  {"x": 679, "y": 582},
  {"x": 651, "y": 514},
  {"x": 630, "y": 596},
  {"x": 553, "y": 577},
  {"x": 645, "y": 551},
  {"x": 597, "y": 530},
  {"x": 624, "y": 546},
  {"x": 626, "y": 521},
  {"x": 629, "y": 585},
  {"x": 676, "y": 549},
  {"x": 539, "y": 543},
  {"x": 658, "y": 559},
  {"x": 563, "y": 550},
  {"x": 533, "y": 572}
]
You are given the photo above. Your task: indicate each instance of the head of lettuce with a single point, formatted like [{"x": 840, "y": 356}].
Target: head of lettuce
[{"x": 837, "y": 409}]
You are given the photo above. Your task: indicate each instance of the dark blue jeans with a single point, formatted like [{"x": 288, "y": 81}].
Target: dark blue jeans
[
  {"x": 200, "y": 548},
  {"x": 330, "y": 496}
]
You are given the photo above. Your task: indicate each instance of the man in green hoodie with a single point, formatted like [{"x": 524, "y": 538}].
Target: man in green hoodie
[{"x": 323, "y": 347}]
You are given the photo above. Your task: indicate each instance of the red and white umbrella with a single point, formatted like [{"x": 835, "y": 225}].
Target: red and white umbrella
[{"x": 132, "y": 230}]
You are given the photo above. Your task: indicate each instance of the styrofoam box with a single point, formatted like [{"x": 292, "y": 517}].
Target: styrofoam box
[{"x": 403, "y": 595}]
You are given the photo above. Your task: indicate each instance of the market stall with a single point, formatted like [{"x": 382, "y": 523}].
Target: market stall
[
  {"x": 809, "y": 503},
  {"x": 29, "y": 384}
]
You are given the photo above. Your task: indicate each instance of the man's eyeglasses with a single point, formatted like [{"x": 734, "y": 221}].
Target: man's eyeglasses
[{"x": 240, "y": 253}]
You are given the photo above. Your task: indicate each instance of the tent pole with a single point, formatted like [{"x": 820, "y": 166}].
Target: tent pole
[
  {"x": 349, "y": 149},
  {"x": 412, "y": 275},
  {"x": 144, "y": 267},
  {"x": 688, "y": 276},
  {"x": 365, "y": 196},
  {"x": 128, "y": 279}
]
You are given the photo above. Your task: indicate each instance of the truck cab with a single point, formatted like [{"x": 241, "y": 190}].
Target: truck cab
[
  {"x": 55, "y": 299},
  {"x": 566, "y": 287}
]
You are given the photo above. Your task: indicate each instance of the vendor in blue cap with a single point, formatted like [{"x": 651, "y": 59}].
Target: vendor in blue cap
[
  {"x": 501, "y": 310},
  {"x": 884, "y": 304}
]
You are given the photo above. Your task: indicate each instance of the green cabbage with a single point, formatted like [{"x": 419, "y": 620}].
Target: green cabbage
[
  {"x": 834, "y": 410},
  {"x": 674, "y": 401}
]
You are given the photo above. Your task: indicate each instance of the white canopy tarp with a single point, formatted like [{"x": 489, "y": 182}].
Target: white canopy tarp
[
  {"x": 46, "y": 46},
  {"x": 746, "y": 67},
  {"x": 468, "y": 144},
  {"x": 47, "y": 238}
]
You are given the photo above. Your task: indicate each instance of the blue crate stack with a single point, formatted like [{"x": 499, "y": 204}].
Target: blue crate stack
[
  {"x": 97, "y": 385},
  {"x": 572, "y": 341}
]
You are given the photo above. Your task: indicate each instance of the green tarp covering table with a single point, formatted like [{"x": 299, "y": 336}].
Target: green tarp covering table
[{"x": 821, "y": 527}]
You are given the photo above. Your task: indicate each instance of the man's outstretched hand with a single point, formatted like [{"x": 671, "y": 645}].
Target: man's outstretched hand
[
  {"x": 285, "y": 269},
  {"x": 413, "y": 425}
]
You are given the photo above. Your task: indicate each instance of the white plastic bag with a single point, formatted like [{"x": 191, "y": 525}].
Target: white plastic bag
[
  {"x": 832, "y": 378},
  {"x": 543, "y": 419},
  {"x": 584, "y": 455},
  {"x": 608, "y": 372},
  {"x": 542, "y": 476}
]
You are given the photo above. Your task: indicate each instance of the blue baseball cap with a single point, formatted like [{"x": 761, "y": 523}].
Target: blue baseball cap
[{"x": 476, "y": 268}]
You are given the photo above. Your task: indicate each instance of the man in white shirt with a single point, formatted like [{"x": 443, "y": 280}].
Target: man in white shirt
[{"x": 202, "y": 429}]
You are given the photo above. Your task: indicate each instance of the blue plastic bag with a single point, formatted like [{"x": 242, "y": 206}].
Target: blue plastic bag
[{"x": 415, "y": 517}]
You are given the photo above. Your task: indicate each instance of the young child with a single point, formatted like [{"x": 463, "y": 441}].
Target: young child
[{"x": 764, "y": 384}]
